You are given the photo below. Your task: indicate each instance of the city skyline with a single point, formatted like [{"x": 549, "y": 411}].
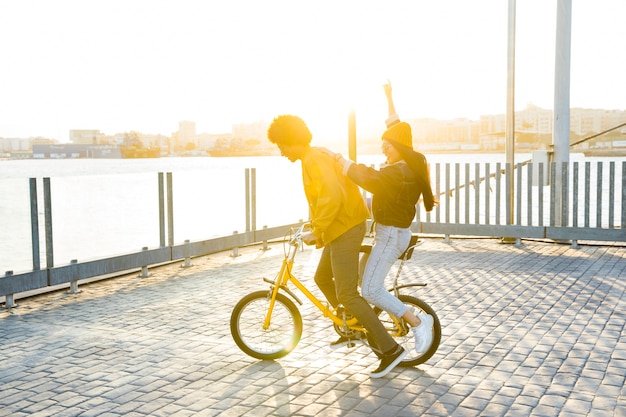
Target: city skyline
[
  {"x": 145, "y": 66},
  {"x": 239, "y": 127}
]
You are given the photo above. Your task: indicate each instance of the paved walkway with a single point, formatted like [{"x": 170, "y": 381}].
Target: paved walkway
[{"x": 536, "y": 330}]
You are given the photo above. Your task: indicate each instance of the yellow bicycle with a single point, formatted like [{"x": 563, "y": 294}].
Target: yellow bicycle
[{"x": 267, "y": 324}]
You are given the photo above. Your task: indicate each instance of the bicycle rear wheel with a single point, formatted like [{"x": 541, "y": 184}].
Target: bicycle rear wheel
[
  {"x": 404, "y": 337},
  {"x": 283, "y": 334}
]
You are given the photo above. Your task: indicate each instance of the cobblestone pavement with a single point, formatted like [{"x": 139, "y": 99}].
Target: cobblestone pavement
[{"x": 534, "y": 330}]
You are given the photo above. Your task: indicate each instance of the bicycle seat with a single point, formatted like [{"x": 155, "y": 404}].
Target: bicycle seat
[{"x": 367, "y": 248}]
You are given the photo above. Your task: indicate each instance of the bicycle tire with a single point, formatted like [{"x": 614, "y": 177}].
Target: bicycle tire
[
  {"x": 246, "y": 326},
  {"x": 406, "y": 340}
]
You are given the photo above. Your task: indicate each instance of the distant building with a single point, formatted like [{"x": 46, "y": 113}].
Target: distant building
[
  {"x": 75, "y": 150},
  {"x": 533, "y": 130},
  {"x": 246, "y": 131},
  {"x": 210, "y": 140},
  {"x": 155, "y": 141},
  {"x": 455, "y": 134},
  {"x": 15, "y": 144},
  {"x": 186, "y": 132},
  {"x": 85, "y": 137},
  {"x": 585, "y": 121}
]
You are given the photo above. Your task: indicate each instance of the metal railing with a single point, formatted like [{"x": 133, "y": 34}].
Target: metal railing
[
  {"x": 52, "y": 276},
  {"x": 473, "y": 201}
]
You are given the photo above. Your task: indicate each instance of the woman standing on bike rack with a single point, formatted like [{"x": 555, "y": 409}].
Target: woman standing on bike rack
[
  {"x": 396, "y": 189},
  {"x": 338, "y": 215}
]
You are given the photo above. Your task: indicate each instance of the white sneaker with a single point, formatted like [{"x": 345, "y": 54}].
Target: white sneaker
[{"x": 423, "y": 333}]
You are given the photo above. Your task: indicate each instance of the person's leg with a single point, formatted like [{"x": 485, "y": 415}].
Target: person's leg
[
  {"x": 389, "y": 243},
  {"x": 324, "y": 277},
  {"x": 344, "y": 254}
]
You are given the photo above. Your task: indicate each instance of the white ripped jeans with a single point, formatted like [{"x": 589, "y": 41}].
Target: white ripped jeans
[{"x": 389, "y": 243}]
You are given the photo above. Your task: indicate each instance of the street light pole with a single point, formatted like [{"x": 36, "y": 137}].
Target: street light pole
[
  {"x": 561, "y": 125},
  {"x": 352, "y": 135},
  {"x": 510, "y": 110}
]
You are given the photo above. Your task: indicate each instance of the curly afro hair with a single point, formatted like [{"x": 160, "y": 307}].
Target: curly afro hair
[{"x": 289, "y": 130}]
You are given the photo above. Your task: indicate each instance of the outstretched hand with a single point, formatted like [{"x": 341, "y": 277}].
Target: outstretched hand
[
  {"x": 339, "y": 160},
  {"x": 387, "y": 88},
  {"x": 390, "y": 106}
]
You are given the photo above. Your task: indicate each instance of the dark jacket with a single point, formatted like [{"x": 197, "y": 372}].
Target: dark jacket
[{"x": 395, "y": 192}]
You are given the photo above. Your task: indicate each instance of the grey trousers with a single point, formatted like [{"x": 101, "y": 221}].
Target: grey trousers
[{"x": 337, "y": 277}]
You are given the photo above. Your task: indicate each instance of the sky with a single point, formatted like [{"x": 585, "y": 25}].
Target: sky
[{"x": 145, "y": 65}]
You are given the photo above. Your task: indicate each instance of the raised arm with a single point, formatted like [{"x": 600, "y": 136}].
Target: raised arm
[{"x": 393, "y": 116}]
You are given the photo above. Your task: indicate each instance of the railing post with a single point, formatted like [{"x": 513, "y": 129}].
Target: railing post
[
  {"x": 599, "y": 183},
  {"x": 265, "y": 246},
  {"x": 187, "y": 262},
  {"x": 8, "y": 299},
  {"x": 144, "y": 268},
  {"x": 250, "y": 189},
  {"x": 575, "y": 175},
  {"x": 247, "y": 191},
  {"x": 253, "y": 199},
  {"x": 170, "y": 209},
  {"x": 236, "y": 248},
  {"x": 540, "y": 181},
  {"x": 509, "y": 190},
  {"x": 510, "y": 201},
  {"x": 74, "y": 273},
  {"x": 498, "y": 192},
  {"x": 477, "y": 193},
  {"x": 47, "y": 194},
  {"x": 161, "y": 211},
  {"x": 623, "y": 204},
  {"x": 487, "y": 199},
  {"x": 34, "y": 224},
  {"x": 612, "y": 194},
  {"x": 529, "y": 194},
  {"x": 564, "y": 194},
  {"x": 553, "y": 194}
]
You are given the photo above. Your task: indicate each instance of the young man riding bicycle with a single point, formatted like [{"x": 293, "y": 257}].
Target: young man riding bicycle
[{"x": 338, "y": 216}]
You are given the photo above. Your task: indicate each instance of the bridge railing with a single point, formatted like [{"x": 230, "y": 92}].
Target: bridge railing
[
  {"x": 489, "y": 200},
  {"x": 524, "y": 201}
]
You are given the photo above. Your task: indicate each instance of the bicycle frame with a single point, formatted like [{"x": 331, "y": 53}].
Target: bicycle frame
[{"x": 285, "y": 276}]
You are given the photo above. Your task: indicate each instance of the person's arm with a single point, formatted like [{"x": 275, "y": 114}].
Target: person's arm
[
  {"x": 368, "y": 178},
  {"x": 393, "y": 117},
  {"x": 381, "y": 182}
]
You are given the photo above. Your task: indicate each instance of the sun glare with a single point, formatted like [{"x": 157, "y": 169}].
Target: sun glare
[{"x": 223, "y": 63}]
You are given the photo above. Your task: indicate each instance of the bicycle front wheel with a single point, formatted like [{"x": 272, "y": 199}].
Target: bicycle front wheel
[
  {"x": 404, "y": 337},
  {"x": 283, "y": 334}
]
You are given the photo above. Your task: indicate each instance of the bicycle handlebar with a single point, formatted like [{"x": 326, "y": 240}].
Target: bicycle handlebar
[{"x": 296, "y": 238}]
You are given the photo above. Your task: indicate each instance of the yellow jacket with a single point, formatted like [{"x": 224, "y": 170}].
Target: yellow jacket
[{"x": 335, "y": 202}]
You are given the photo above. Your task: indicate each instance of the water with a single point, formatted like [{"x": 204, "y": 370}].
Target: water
[{"x": 106, "y": 207}]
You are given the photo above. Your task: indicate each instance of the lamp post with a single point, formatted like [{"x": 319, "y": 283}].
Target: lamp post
[
  {"x": 352, "y": 135},
  {"x": 561, "y": 125},
  {"x": 510, "y": 117}
]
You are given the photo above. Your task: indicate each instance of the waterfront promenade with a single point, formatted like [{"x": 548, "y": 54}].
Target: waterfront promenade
[{"x": 534, "y": 330}]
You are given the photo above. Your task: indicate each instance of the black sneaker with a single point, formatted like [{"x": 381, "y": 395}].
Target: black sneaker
[{"x": 388, "y": 362}]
